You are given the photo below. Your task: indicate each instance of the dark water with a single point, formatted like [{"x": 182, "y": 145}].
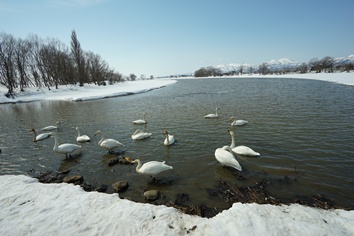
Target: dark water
[{"x": 303, "y": 129}]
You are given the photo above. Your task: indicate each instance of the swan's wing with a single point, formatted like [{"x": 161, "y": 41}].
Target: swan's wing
[
  {"x": 227, "y": 159},
  {"x": 68, "y": 147},
  {"x": 154, "y": 167},
  {"x": 244, "y": 150},
  {"x": 111, "y": 143}
]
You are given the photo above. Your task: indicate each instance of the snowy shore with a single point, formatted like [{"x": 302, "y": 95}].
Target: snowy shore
[{"x": 31, "y": 208}]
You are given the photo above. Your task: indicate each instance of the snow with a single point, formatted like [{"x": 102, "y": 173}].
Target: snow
[
  {"x": 32, "y": 208},
  {"x": 87, "y": 92}
]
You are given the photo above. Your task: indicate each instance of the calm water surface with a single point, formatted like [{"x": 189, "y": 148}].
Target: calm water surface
[{"x": 303, "y": 129}]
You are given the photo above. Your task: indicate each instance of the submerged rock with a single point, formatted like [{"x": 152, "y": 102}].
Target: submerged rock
[
  {"x": 119, "y": 186},
  {"x": 151, "y": 194},
  {"x": 76, "y": 179}
]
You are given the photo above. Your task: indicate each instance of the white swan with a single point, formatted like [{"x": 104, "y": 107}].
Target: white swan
[
  {"x": 138, "y": 135},
  {"x": 211, "y": 116},
  {"x": 151, "y": 168},
  {"x": 40, "y": 137},
  {"x": 65, "y": 148},
  {"x": 52, "y": 127},
  {"x": 241, "y": 150},
  {"x": 235, "y": 122},
  {"x": 109, "y": 143},
  {"x": 140, "y": 121},
  {"x": 226, "y": 158},
  {"x": 169, "y": 140},
  {"x": 82, "y": 138}
]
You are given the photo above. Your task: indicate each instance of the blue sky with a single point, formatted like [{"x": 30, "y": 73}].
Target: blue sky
[{"x": 162, "y": 37}]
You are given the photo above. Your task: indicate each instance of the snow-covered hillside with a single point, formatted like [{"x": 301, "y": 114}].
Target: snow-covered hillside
[{"x": 283, "y": 63}]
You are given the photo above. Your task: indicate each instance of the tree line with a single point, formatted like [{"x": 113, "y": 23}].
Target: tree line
[
  {"x": 34, "y": 62},
  {"x": 326, "y": 64}
]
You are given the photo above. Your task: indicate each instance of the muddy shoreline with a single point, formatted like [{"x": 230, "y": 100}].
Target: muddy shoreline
[{"x": 223, "y": 191}]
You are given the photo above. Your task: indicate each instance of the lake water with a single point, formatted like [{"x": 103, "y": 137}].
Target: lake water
[{"x": 303, "y": 129}]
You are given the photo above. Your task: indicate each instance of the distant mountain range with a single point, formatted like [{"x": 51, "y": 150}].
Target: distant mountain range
[{"x": 282, "y": 63}]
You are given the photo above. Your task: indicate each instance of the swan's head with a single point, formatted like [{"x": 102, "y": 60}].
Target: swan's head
[
  {"x": 230, "y": 132},
  {"x": 32, "y": 130},
  {"x": 57, "y": 123},
  {"x": 165, "y": 132},
  {"x": 232, "y": 118},
  {"x": 128, "y": 159},
  {"x": 98, "y": 132},
  {"x": 134, "y": 161},
  {"x": 77, "y": 128}
]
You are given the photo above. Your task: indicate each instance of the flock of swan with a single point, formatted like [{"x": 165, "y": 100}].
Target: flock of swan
[{"x": 225, "y": 155}]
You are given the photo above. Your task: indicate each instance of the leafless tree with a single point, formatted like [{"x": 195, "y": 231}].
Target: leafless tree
[
  {"x": 263, "y": 68},
  {"x": 7, "y": 62},
  {"x": 78, "y": 57}
]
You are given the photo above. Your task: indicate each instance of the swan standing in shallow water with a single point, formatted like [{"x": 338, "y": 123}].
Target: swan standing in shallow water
[
  {"x": 151, "y": 168},
  {"x": 109, "y": 143},
  {"x": 211, "y": 116},
  {"x": 40, "y": 137},
  {"x": 139, "y": 135},
  {"x": 65, "y": 148},
  {"x": 82, "y": 138},
  {"x": 52, "y": 127},
  {"x": 140, "y": 121},
  {"x": 226, "y": 158},
  {"x": 235, "y": 122},
  {"x": 169, "y": 140},
  {"x": 241, "y": 150}
]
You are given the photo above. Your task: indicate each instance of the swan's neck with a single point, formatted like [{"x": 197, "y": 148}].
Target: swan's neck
[
  {"x": 56, "y": 143},
  {"x": 35, "y": 136},
  {"x": 167, "y": 139},
  {"x": 216, "y": 111},
  {"x": 101, "y": 140},
  {"x": 232, "y": 141},
  {"x": 78, "y": 133},
  {"x": 138, "y": 166}
]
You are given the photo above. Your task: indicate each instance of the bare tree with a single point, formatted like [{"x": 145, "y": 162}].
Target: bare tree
[
  {"x": 241, "y": 68},
  {"x": 22, "y": 56},
  {"x": 263, "y": 68},
  {"x": 78, "y": 57},
  {"x": 7, "y": 62},
  {"x": 132, "y": 77}
]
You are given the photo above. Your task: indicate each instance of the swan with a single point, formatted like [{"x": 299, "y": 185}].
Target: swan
[
  {"x": 138, "y": 135},
  {"x": 169, "y": 140},
  {"x": 65, "y": 148},
  {"x": 140, "y": 121},
  {"x": 82, "y": 138},
  {"x": 109, "y": 143},
  {"x": 40, "y": 137},
  {"x": 226, "y": 158},
  {"x": 52, "y": 127},
  {"x": 241, "y": 150},
  {"x": 210, "y": 116},
  {"x": 151, "y": 168},
  {"x": 237, "y": 122}
]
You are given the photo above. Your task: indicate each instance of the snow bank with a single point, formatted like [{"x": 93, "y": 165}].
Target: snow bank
[
  {"x": 32, "y": 208},
  {"x": 87, "y": 92}
]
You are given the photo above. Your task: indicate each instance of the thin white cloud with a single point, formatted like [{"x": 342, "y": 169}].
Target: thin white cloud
[{"x": 75, "y": 3}]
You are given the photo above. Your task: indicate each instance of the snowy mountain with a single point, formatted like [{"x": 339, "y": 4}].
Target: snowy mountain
[{"x": 283, "y": 63}]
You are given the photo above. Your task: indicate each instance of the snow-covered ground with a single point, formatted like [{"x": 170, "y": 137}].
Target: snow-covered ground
[
  {"x": 31, "y": 208},
  {"x": 87, "y": 92}
]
